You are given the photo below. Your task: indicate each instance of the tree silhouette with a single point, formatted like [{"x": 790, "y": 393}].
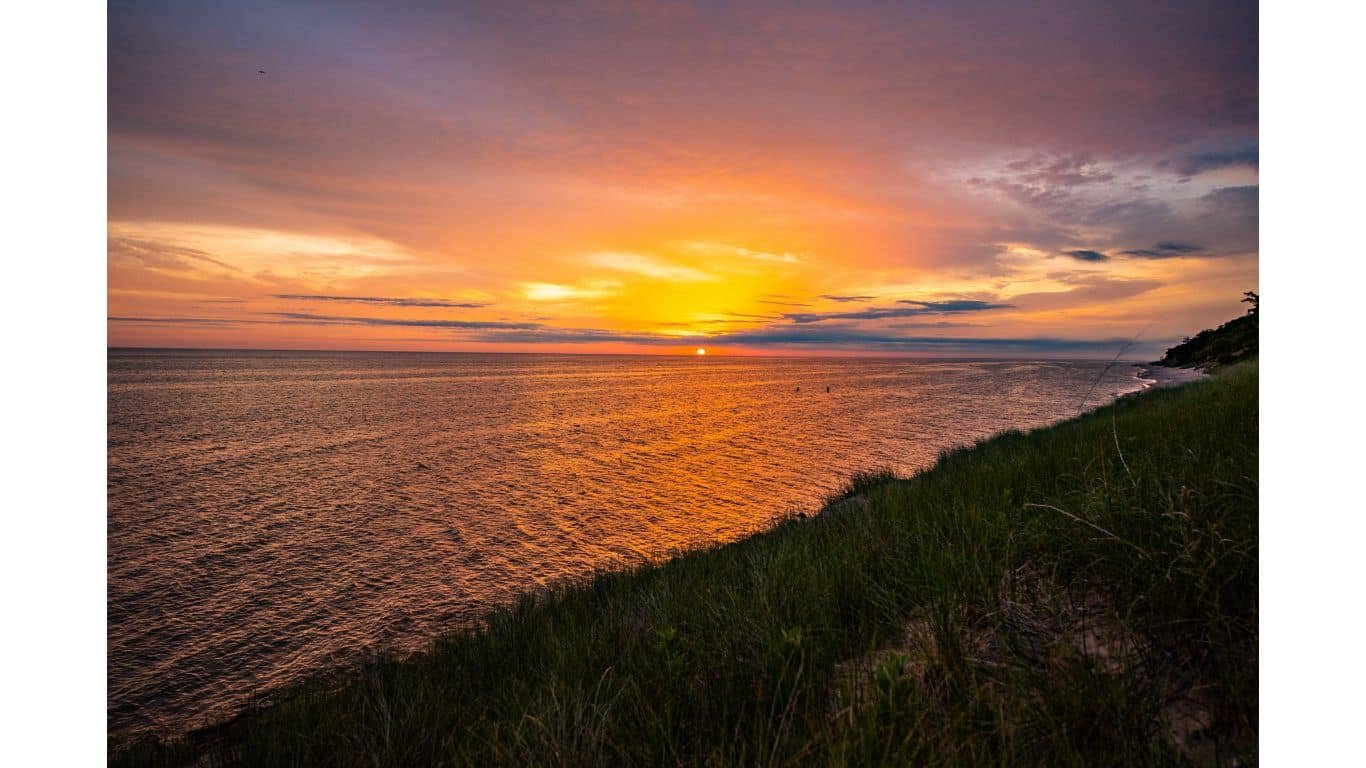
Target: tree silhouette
[{"x": 1231, "y": 342}]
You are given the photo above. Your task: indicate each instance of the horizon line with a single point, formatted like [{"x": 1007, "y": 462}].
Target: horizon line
[{"x": 709, "y": 355}]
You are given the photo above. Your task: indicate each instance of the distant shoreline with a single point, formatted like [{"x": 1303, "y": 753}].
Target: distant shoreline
[{"x": 1154, "y": 376}]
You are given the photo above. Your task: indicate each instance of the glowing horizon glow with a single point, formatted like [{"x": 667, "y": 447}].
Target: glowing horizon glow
[{"x": 597, "y": 186}]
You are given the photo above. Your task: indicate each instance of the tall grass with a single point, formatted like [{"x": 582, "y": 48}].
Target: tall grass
[{"x": 1031, "y": 600}]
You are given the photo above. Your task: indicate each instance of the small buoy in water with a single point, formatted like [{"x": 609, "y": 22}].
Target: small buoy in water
[
  {"x": 799, "y": 389},
  {"x": 827, "y": 389}
]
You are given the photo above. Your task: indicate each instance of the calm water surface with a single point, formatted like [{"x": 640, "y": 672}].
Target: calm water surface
[{"x": 273, "y": 514}]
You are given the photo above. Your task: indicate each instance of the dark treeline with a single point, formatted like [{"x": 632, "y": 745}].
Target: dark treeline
[{"x": 1230, "y": 343}]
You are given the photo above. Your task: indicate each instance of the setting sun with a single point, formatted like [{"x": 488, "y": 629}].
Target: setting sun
[{"x": 701, "y": 351}]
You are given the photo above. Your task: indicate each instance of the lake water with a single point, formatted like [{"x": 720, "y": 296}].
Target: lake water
[{"x": 272, "y": 514}]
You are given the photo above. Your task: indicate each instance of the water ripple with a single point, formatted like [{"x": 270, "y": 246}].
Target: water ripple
[{"x": 274, "y": 514}]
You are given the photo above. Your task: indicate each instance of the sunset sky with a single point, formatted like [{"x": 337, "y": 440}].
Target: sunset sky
[{"x": 931, "y": 178}]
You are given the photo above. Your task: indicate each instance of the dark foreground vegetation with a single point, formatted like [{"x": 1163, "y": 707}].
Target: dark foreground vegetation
[
  {"x": 1084, "y": 594},
  {"x": 1230, "y": 343}
]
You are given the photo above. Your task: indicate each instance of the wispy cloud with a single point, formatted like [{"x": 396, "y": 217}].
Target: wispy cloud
[
  {"x": 953, "y": 305},
  {"x": 1042, "y": 172},
  {"x": 1164, "y": 250},
  {"x": 556, "y": 292},
  {"x": 164, "y": 256},
  {"x": 1087, "y": 255},
  {"x": 846, "y": 299},
  {"x": 1193, "y": 165},
  {"x": 910, "y": 308},
  {"x": 646, "y": 266},
  {"x": 724, "y": 249},
  {"x": 1240, "y": 202},
  {"x": 308, "y": 318},
  {"x": 257, "y": 252},
  {"x": 395, "y": 302},
  {"x": 1083, "y": 290},
  {"x": 180, "y": 320}
]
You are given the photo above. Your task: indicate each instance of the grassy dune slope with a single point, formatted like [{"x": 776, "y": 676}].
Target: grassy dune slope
[{"x": 1084, "y": 594}]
